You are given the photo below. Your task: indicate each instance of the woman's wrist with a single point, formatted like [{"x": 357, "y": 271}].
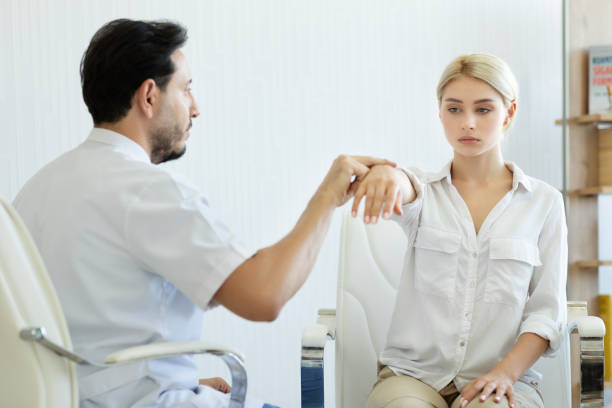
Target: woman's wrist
[
  {"x": 406, "y": 187},
  {"x": 506, "y": 368}
]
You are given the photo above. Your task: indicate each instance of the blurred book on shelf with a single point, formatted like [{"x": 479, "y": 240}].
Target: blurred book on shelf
[{"x": 600, "y": 79}]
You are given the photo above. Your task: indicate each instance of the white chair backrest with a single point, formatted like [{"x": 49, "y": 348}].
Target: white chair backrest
[
  {"x": 31, "y": 375},
  {"x": 371, "y": 262}
]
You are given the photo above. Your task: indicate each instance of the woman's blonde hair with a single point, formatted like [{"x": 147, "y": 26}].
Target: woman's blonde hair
[{"x": 486, "y": 67}]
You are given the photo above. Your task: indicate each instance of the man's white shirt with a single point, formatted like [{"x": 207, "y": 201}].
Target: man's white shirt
[
  {"x": 136, "y": 255},
  {"x": 465, "y": 298}
]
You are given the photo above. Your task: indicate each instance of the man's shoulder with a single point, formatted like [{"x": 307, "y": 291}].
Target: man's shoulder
[{"x": 44, "y": 176}]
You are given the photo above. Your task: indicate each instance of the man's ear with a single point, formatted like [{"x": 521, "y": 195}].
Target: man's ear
[{"x": 146, "y": 98}]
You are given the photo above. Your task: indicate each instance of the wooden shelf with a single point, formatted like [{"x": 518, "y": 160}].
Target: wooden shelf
[
  {"x": 591, "y": 264},
  {"x": 587, "y": 119},
  {"x": 591, "y": 191}
]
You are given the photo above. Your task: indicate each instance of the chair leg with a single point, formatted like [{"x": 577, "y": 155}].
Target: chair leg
[
  {"x": 312, "y": 378},
  {"x": 591, "y": 372}
]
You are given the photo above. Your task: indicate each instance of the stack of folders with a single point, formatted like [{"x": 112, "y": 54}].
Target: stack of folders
[{"x": 605, "y": 312}]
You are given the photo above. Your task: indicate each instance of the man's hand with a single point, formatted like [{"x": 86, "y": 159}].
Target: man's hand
[
  {"x": 496, "y": 382},
  {"x": 345, "y": 174},
  {"x": 383, "y": 185},
  {"x": 216, "y": 383}
]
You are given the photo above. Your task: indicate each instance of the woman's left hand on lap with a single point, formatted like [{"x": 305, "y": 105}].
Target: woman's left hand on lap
[{"x": 494, "y": 384}]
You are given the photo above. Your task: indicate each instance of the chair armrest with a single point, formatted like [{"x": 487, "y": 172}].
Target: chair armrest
[
  {"x": 233, "y": 360},
  {"x": 161, "y": 350},
  {"x": 588, "y": 326},
  {"x": 314, "y": 336}
]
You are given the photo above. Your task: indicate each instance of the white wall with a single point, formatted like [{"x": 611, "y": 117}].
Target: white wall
[
  {"x": 604, "y": 203},
  {"x": 284, "y": 86}
]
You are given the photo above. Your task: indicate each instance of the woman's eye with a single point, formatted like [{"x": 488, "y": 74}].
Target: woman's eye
[
  {"x": 453, "y": 109},
  {"x": 484, "y": 110}
]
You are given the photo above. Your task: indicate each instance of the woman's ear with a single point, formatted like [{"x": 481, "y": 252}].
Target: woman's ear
[
  {"x": 146, "y": 97},
  {"x": 511, "y": 113}
]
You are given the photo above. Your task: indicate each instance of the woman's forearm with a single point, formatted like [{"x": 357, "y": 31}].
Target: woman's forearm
[{"x": 523, "y": 355}]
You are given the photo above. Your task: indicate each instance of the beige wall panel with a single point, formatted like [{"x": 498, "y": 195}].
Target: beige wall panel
[{"x": 583, "y": 285}]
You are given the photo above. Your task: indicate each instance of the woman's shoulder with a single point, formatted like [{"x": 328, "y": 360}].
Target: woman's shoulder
[
  {"x": 547, "y": 195},
  {"x": 427, "y": 177},
  {"x": 543, "y": 188},
  {"x": 532, "y": 185}
]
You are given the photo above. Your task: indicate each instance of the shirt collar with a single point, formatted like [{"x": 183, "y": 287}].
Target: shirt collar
[
  {"x": 121, "y": 143},
  {"x": 518, "y": 177}
]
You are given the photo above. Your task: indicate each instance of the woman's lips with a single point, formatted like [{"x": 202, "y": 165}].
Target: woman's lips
[{"x": 469, "y": 140}]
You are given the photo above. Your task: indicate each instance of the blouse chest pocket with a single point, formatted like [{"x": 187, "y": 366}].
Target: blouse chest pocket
[
  {"x": 436, "y": 261},
  {"x": 511, "y": 263}
]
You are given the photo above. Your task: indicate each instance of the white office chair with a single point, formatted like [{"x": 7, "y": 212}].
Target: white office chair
[
  {"x": 35, "y": 348},
  {"x": 371, "y": 260}
]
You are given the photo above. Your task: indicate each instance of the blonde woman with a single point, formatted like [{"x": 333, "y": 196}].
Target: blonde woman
[{"x": 482, "y": 294}]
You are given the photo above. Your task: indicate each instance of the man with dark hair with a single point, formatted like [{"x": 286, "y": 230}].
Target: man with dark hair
[{"x": 135, "y": 253}]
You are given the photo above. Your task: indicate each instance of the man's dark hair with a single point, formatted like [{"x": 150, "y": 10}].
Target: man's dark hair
[{"x": 121, "y": 55}]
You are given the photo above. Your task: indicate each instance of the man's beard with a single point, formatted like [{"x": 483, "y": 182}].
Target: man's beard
[{"x": 164, "y": 140}]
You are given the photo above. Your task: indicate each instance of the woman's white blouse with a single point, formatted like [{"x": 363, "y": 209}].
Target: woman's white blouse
[{"x": 465, "y": 298}]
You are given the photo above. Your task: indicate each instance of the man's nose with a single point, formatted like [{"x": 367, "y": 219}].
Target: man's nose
[{"x": 194, "y": 112}]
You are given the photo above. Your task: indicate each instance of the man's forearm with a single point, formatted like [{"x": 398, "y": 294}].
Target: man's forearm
[
  {"x": 295, "y": 255},
  {"x": 274, "y": 274},
  {"x": 260, "y": 286},
  {"x": 523, "y": 355}
]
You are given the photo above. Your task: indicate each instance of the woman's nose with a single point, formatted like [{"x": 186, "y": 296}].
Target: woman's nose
[{"x": 468, "y": 123}]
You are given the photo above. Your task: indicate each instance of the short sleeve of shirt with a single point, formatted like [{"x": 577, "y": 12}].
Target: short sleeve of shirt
[{"x": 172, "y": 231}]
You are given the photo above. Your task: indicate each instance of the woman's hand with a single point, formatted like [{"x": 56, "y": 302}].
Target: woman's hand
[
  {"x": 383, "y": 185},
  {"x": 496, "y": 381},
  {"x": 216, "y": 383},
  {"x": 345, "y": 175},
  {"x": 525, "y": 352}
]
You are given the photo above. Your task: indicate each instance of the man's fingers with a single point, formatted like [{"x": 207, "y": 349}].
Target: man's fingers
[
  {"x": 357, "y": 168},
  {"x": 353, "y": 187},
  {"x": 373, "y": 161}
]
